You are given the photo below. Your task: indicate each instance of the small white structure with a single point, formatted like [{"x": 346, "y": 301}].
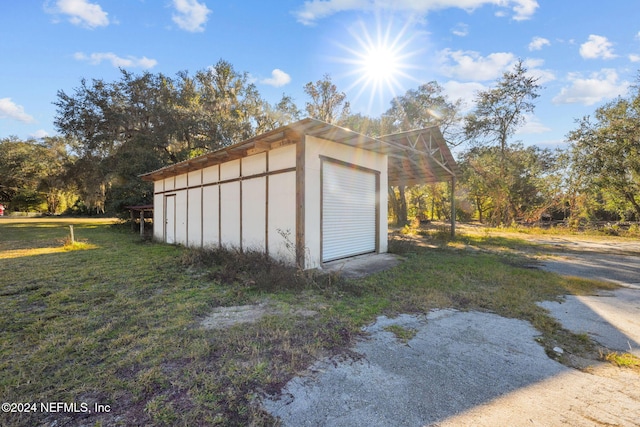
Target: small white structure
[{"x": 306, "y": 193}]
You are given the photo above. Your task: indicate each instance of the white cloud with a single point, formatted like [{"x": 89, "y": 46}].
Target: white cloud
[
  {"x": 191, "y": 15},
  {"x": 532, "y": 125},
  {"x": 460, "y": 30},
  {"x": 278, "y": 78},
  {"x": 82, "y": 13},
  {"x": 524, "y": 9},
  {"x": 588, "y": 91},
  {"x": 534, "y": 70},
  {"x": 634, "y": 58},
  {"x": 11, "y": 110},
  {"x": 464, "y": 91},
  {"x": 597, "y": 47},
  {"x": 116, "y": 61},
  {"x": 470, "y": 65},
  {"x": 314, "y": 10},
  {"x": 41, "y": 133},
  {"x": 537, "y": 43}
]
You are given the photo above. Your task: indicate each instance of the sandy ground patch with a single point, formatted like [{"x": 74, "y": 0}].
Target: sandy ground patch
[{"x": 224, "y": 317}]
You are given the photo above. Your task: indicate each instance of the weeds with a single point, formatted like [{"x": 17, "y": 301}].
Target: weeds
[
  {"x": 256, "y": 271},
  {"x": 404, "y": 335},
  {"x": 623, "y": 360}
]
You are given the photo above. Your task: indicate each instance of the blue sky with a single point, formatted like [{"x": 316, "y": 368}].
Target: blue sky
[{"x": 585, "y": 53}]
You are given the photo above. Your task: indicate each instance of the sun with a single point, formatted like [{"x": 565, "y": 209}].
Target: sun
[
  {"x": 379, "y": 60},
  {"x": 380, "y": 64}
]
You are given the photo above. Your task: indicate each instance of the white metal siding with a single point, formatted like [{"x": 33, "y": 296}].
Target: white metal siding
[
  {"x": 282, "y": 216},
  {"x": 181, "y": 209},
  {"x": 230, "y": 214},
  {"x": 170, "y": 219},
  {"x": 348, "y": 211},
  {"x": 210, "y": 216},
  {"x": 254, "y": 207},
  {"x": 194, "y": 217},
  {"x": 158, "y": 217}
]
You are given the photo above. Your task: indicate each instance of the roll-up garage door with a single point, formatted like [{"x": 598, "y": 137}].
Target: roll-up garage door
[{"x": 348, "y": 211}]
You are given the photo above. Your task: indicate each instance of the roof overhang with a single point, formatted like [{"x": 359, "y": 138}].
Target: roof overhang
[
  {"x": 420, "y": 157},
  {"x": 415, "y": 157}
]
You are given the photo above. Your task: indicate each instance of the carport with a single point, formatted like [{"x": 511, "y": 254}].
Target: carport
[{"x": 422, "y": 157}]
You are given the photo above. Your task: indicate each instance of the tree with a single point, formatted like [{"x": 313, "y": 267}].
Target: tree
[
  {"x": 32, "y": 174},
  {"x": 143, "y": 122},
  {"x": 423, "y": 107},
  {"x": 520, "y": 188},
  {"x": 500, "y": 111},
  {"x": 58, "y": 191},
  {"x": 268, "y": 117},
  {"x": 498, "y": 114},
  {"x": 327, "y": 104},
  {"x": 606, "y": 152},
  {"x": 419, "y": 108},
  {"x": 19, "y": 172}
]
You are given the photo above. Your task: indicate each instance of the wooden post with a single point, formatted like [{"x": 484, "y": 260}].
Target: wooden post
[
  {"x": 453, "y": 207},
  {"x": 133, "y": 220},
  {"x": 300, "y": 200},
  {"x": 141, "y": 222},
  {"x": 73, "y": 240}
]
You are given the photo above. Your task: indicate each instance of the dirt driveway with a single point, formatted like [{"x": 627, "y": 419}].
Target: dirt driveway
[{"x": 470, "y": 368}]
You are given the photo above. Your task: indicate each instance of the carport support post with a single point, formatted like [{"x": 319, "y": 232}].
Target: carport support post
[
  {"x": 141, "y": 222},
  {"x": 133, "y": 220},
  {"x": 453, "y": 207}
]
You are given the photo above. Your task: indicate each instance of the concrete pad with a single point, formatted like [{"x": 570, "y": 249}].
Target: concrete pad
[
  {"x": 610, "y": 318},
  {"x": 604, "y": 396},
  {"x": 623, "y": 270},
  {"x": 456, "y": 360},
  {"x": 362, "y": 265}
]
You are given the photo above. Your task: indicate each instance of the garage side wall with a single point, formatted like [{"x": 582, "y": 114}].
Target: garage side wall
[
  {"x": 246, "y": 204},
  {"x": 316, "y": 150},
  {"x": 158, "y": 211}
]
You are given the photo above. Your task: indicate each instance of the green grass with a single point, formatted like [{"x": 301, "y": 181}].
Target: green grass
[
  {"x": 116, "y": 320},
  {"x": 404, "y": 335}
]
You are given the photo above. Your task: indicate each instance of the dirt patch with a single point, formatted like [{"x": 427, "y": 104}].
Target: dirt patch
[{"x": 225, "y": 317}]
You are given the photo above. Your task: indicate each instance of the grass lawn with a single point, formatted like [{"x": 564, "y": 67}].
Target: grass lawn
[{"x": 116, "y": 321}]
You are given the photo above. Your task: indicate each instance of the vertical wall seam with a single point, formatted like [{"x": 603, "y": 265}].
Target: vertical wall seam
[
  {"x": 378, "y": 217},
  {"x": 201, "y": 208},
  {"x": 300, "y": 199},
  {"x": 266, "y": 205},
  {"x": 240, "y": 167},
  {"x": 219, "y": 208},
  {"x": 187, "y": 213}
]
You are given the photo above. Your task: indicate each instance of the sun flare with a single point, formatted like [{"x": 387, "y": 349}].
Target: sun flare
[
  {"x": 380, "y": 64},
  {"x": 379, "y": 61}
]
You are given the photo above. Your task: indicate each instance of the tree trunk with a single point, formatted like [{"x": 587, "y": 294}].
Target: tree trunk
[
  {"x": 634, "y": 202},
  {"x": 479, "y": 207},
  {"x": 402, "y": 207},
  {"x": 398, "y": 206}
]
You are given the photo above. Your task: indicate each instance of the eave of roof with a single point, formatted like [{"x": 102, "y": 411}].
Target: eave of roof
[
  {"x": 421, "y": 156},
  {"x": 411, "y": 159}
]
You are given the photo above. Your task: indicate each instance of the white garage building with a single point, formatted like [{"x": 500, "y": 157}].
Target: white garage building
[{"x": 307, "y": 193}]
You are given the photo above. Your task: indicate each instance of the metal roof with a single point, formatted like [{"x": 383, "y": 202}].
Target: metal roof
[
  {"x": 415, "y": 157},
  {"x": 420, "y": 157}
]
